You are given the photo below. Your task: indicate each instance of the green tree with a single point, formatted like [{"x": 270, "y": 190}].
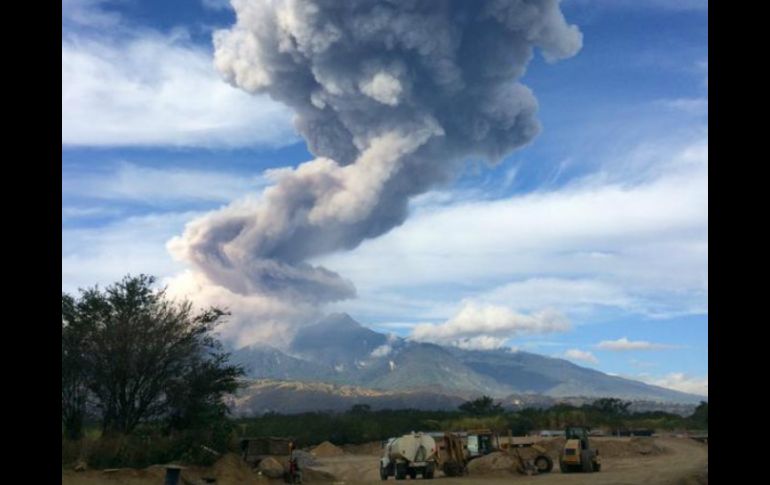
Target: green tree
[
  {"x": 612, "y": 406},
  {"x": 74, "y": 379},
  {"x": 484, "y": 405},
  {"x": 146, "y": 356},
  {"x": 700, "y": 417},
  {"x": 360, "y": 409}
]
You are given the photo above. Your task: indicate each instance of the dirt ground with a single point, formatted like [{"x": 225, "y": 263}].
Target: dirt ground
[{"x": 673, "y": 461}]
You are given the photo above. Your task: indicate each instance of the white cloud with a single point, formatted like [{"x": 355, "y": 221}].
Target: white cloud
[
  {"x": 573, "y": 295},
  {"x": 381, "y": 351},
  {"x": 255, "y": 318},
  {"x": 639, "y": 247},
  {"x": 480, "y": 342},
  {"x": 582, "y": 355},
  {"x": 132, "y": 182},
  {"x": 623, "y": 344},
  {"x": 145, "y": 88},
  {"x": 88, "y": 13},
  {"x": 680, "y": 381},
  {"x": 103, "y": 255},
  {"x": 488, "y": 326}
]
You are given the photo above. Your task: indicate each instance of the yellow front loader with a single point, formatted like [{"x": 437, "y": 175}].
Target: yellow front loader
[{"x": 577, "y": 455}]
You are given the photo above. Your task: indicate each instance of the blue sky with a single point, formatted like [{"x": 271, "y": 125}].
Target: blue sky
[{"x": 602, "y": 218}]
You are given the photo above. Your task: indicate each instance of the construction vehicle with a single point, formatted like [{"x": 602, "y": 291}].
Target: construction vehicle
[
  {"x": 412, "y": 454},
  {"x": 452, "y": 455},
  {"x": 456, "y": 450},
  {"x": 577, "y": 454},
  {"x": 253, "y": 450}
]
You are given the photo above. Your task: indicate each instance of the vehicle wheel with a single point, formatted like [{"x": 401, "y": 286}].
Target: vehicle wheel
[
  {"x": 428, "y": 473},
  {"x": 564, "y": 468},
  {"x": 400, "y": 471},
  {"x": 412, "y": 473},
  {"x": 597, "y": 467},
  {"x": 544, "y": 464},
  {"x": 586, "y": 461},
  {"x": 383, "y": 472}
]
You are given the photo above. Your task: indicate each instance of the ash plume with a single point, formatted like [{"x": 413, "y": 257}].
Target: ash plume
[{"x": 392, "y": 97}]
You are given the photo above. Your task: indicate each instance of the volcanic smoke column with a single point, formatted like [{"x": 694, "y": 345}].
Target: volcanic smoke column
[{"x": 392, "y": 96}]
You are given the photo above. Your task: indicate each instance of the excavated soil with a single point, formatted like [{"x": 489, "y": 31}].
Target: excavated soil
[
  {"x": 371, "y": 448},
  {"x": 326, "y": 449},
  {"x": 666, "y": 461}
]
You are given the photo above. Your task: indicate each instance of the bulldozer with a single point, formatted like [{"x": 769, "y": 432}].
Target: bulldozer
[{"x": 577, "y": 454}]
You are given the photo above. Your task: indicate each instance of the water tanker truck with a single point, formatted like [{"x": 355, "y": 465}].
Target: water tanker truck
[{"x": 412, "y": 454}]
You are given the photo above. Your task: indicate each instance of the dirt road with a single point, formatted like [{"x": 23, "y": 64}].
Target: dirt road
[
  {"x": 685, "y": 463},
  {"x": 682, "y": 462}
]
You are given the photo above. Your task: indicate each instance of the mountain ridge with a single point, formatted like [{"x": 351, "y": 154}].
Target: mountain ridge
[{"x": 338, "y": 350}]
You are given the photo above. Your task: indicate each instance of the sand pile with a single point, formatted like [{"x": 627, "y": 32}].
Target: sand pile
[
  {"x": 628, "y": 447},
  {"x": 312, "y": 475},
  {"x": 326, "y": 449},
  {"x": 646, "y": 446},
  {"x": 232, "y": 470},
  {"x": 493, "y": 462},
  {"x": 270, "y": 467},
  {"x": 610, "y": 447},
  {"x": 371, "y": 448}
]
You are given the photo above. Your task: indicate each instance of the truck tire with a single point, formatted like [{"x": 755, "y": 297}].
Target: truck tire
[
  {"x": 597, "y": 467},
  {"x": 400, "y": 471},
  {"x": 428, "y": 473},
  {"x": 412, "y": 473},
  {"x": 544, "y": 464},
  {"x": 383, "y": 472},
  {"x": 563, "y": 467},
  {"x": 587, "y": 461}
]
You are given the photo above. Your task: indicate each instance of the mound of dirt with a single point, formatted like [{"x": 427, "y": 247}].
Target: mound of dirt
[
  {"x": 312, "y": 475},
  {"x": 270, "y": 467},
  {"x": 493, "y": 462},
  {"x": 371, "y": 448},
  {"x": 232, "y": 470},
  {"x": 326, "y": 449},
  {"x": 646, "y": 446},
  {"x": 625, "y": 447}
]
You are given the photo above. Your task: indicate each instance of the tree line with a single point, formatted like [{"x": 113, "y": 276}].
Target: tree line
[{"x": 131, "y": 355}]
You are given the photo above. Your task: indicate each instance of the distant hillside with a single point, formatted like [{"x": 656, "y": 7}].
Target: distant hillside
[
  {"x": 296, "y": 397},
  {"x": 340, "y": 351}
]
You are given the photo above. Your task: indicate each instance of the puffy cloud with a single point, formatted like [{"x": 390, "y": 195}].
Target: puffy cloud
[
  {"x": 623, "y": 344},
  {"x": 582, "y": 355},
  {"x": 488, "y": 326},
  {"x": 129, "y": 182},
  {"x": 140, "y": 87},
  {"x": 382, "y": 351},
  {"x": 680, "y": 381},
  {"x": 255, "y": 318}
]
